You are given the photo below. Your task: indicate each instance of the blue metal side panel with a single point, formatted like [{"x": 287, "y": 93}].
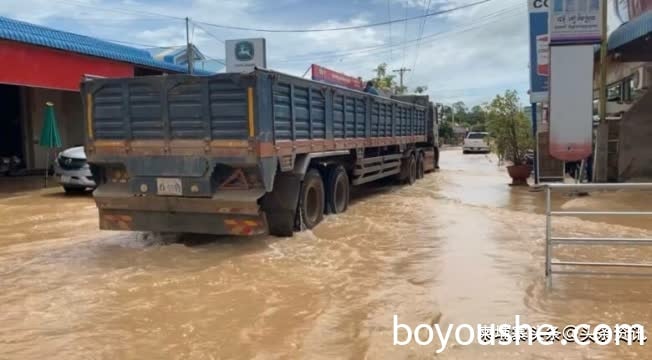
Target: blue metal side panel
[
  {"x": 185, "y": 112},
  {"x": 349, "y": 117},
  {"x": 145, "y": 108},
  {"x": 108, "y": 112},
  {"x": 282, "y": 113},
  {"x": 338, "y": 116},
  {"x": 360, "y": 118},
  {"x": 228, "y": 111},
  {"x": 171, "y": 107},
  {"x": 301, "y": 113},
  {"x": 318, "y": 114},
  {"x": 375, "y": 118}
]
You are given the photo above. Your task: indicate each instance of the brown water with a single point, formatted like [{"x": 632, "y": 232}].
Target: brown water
[{"x": 459, "y": 247}]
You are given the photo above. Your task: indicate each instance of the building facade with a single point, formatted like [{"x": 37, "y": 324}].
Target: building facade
[{"x": 40, "y": 65}]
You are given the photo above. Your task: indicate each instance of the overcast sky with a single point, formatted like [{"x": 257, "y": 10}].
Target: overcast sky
[{"x": 469, "y": 55}]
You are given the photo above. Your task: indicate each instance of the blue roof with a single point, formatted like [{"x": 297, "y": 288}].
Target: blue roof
[
  {"x": 631, "y": 30},
  {"x": 20, "y": 31}
]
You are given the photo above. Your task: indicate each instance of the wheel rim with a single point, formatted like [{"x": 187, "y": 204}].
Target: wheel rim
[
  {"x": 312, "y": 206},
  {"x": 340, "y": 193}
]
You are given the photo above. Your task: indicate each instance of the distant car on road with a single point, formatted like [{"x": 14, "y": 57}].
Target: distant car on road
[
  {"x": 476, "y": 142},
  {"x": 73, "y": 171}
]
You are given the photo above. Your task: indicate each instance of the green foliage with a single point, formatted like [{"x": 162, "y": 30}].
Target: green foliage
[
  {"x": 509, "y": 128},
  {"x": 446, "y": 131},
  {"x": 386, "y": 82},
  {"x": 420, "y": 89},
  {"x": 382, "y": 80}
]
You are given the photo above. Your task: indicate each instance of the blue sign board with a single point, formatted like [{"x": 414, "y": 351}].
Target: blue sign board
[{"x": 539, "y": 50}]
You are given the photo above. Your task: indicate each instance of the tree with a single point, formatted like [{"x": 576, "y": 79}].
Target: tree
[
  {"x": 421, "y": 89},
  {"x": 509, "y": 128},
  {"x": 446, "y": 131},
  {"x": 382, "y": 80}
]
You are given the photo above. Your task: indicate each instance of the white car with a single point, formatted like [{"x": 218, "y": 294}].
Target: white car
[
  {"x": 476, "y": 142},
  {"x": 73, "y": 171}
]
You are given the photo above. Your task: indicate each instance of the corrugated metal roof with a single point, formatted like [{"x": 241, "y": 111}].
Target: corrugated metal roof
[
  {"x": 631, "y": 30},
  {"x": 20, "y": 31}
]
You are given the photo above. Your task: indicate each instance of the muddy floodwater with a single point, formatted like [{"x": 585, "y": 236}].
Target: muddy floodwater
[{"x": 460, "y": 246}]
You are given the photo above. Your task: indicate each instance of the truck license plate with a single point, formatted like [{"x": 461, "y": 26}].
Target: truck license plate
[{"x": 168, "y": 186}]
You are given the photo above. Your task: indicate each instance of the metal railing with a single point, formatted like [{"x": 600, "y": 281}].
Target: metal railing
[{"x": 551, "y": 240}]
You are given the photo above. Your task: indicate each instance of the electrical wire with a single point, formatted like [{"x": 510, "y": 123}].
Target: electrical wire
[
  {"x": 384, "y": 48},
  {"x": 389, "y": 18},
  {"x": 357, "y": 56},
  {"x": 209, "y": 33},
  {"x": 308, "y": 30},
  {"x": 416, "y": 51},
  {"x": 353, "y": 27}
]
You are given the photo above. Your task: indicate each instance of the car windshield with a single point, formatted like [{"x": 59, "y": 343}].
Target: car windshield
[{"x": 476, "y": 136}]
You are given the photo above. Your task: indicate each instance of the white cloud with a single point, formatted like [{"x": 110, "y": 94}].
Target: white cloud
[{"x": 482, "y": 49}]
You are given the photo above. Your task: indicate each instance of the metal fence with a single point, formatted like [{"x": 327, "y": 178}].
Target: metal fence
[{"x": 551, "y": 241}]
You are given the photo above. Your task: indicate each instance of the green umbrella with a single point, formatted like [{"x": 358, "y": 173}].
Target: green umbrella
[{"x": 50, "y": 137}]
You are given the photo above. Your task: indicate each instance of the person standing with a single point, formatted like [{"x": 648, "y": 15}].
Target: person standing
[{"x": 369, "y": 88}]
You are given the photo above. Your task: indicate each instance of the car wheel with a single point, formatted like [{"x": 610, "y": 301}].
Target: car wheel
[{"x": 74, "y": 190}]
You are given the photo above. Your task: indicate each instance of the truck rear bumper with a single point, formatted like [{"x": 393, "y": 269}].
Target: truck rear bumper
[
  {"x": 233, "y": 212},
  {"x": 200, "y": 223}
]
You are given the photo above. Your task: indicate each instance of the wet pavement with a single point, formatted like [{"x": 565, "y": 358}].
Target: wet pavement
[{"x": 460, "y": 246}]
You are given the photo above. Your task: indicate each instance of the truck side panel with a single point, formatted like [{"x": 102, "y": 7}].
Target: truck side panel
[{"x": 309, "y": 116}]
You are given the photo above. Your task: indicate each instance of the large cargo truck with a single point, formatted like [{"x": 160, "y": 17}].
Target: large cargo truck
[{"x": 244, "y": 154}]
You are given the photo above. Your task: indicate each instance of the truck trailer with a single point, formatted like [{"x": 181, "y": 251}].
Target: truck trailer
[{"x": 244, "y": 154}]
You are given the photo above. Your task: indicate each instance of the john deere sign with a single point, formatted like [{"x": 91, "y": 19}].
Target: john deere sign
[{"x": 245, "y": 54}]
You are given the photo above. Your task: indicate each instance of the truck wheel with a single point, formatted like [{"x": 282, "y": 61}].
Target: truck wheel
[
  {"x": 412, "y": 170},
  {"x": 420, "y": 166},
  {"x": 312, "y": 199},
  {"x": 337, "y": 190}
]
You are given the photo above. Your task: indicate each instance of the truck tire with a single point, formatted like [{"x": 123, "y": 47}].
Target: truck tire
[
  {"x": 311, "y": 200},
  {"x": 280, "y": 205},
  {"x": 420, "y": 166},
  {"x": 411, "y": 170},
  {"x": 337, "y": 190}
]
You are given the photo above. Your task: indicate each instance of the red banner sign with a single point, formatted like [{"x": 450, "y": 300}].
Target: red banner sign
[{"x": 333, "y": 77}]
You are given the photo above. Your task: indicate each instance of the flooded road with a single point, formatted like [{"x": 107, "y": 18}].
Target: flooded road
[{"x": 460, "y": 246}]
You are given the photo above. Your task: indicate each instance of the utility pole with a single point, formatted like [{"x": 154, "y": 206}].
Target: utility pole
[
  {"x": 400, "y": 72},
  {"x": 189, "y": 55},
  {"x": 600, "y": 156}
]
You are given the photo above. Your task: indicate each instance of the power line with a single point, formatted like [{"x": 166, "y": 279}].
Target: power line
[
  {"x": 421, "y": 30},
  {"x": 389, "y": 18},
  {"x": 231, "y": 27},
  {"x": 385, "y": 48},
  {"x": 354, "y": 27},
  {"x": 120, "y": 10},
  {"x": 208, "y": 33},
  {"x": 356, "y": 55},
  {"x": 404, "y": 37}
]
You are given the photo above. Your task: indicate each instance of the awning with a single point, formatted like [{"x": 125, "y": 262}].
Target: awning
[{"x": 633, "y": 30}]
